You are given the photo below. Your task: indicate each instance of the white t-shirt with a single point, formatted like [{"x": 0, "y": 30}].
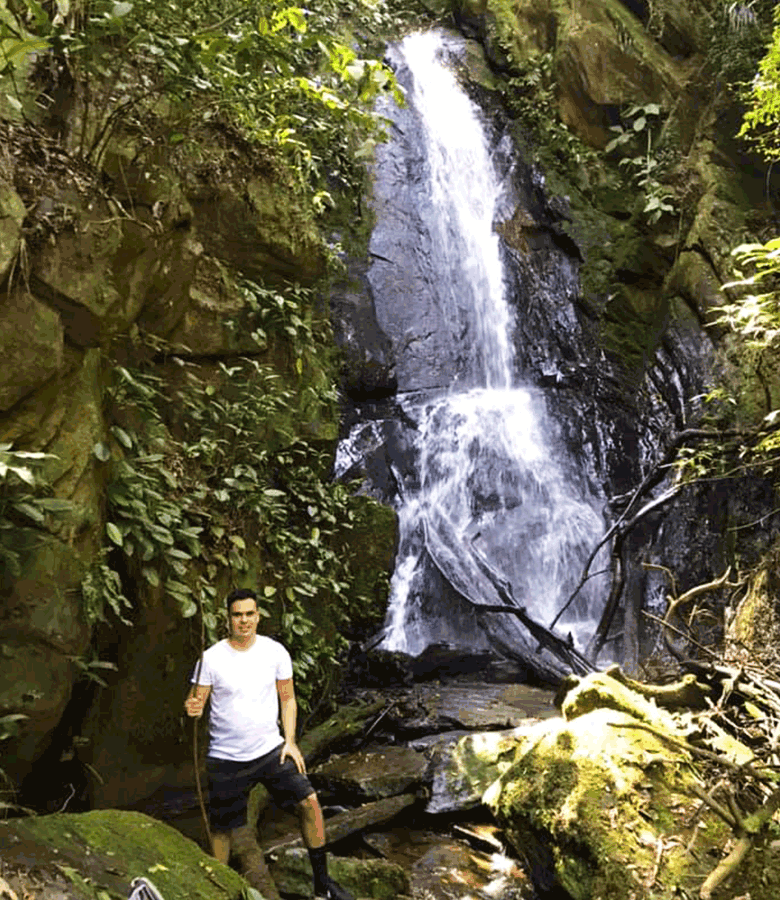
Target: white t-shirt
[{"x": 243, "y": 722}]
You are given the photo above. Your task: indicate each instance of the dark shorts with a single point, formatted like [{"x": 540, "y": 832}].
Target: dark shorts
[{"x": 230, "y": 783}]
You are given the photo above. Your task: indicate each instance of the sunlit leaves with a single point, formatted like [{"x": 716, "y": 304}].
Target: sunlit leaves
[{"x": 761, "y": 123}]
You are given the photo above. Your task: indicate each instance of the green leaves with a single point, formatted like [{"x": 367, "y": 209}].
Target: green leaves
[
  {"x": 639, "y": 157},
  {"x": 755, "y": 316}
]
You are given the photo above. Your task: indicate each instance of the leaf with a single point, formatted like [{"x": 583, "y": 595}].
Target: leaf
[
  {"x": 238, "y": 541},
  {"x": 121, "y": 9},
  {"x": 14, "y": 102},
  {"x": 122, "y": 436},
  {"x": 101, "y": 451},
  {"x": 114, "y": 534},
  {"x": 269, "y": 590},
  {"x": 24, "y": 473},
  {"x": 177, "y": 554},
  {"x": 22, "y": 48},
  {"x": 31, "y": 511},
  {"x": 178, "y": 587},
  {"x": 639, "y": 123},
  {"x": 55, "y": 504},
  {"x": 158, "y": 867}
]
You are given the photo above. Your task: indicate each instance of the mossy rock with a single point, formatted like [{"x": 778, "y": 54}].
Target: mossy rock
[
  {"x": 338, "y": 733},
  {"x": 100, "y": 853},
  {"x": 591, "y": 801},
  {"x": 464, "y": 770},
  {"x": 375, "y": 878},
  {"x": 31, "y": 339},
  {"x": 12, "y": 213}
]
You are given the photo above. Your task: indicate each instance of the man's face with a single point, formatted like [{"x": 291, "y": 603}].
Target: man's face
[{"x": 243, "y": 617}]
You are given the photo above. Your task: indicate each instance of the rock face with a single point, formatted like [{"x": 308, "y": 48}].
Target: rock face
[
  {"x": 90, "y": 279},
  {"x": 612, "y": 311}
]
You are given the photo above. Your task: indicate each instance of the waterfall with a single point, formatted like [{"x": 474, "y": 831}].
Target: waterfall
[
  {"x": 484, "y": 486},
  {"x": 464, "y": 248}
]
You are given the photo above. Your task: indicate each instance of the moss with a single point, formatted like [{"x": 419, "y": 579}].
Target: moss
[
  {"x": 595, "y": 798},
  {"x": 102, "y": 851},
  {"x": 339, "y": 729},
  {"x": 374, "y": 878}
]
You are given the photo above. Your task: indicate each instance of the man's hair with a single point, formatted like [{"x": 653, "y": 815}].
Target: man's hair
[{"x": 240, "y": 594}]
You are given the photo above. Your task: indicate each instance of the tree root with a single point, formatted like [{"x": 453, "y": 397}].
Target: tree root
[{"x": 727, "y": 866}]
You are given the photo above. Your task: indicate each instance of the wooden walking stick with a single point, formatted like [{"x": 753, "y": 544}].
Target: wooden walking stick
[{"x": 195, "y": 720}]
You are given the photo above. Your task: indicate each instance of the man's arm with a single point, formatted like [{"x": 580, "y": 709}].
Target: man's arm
[
  {"x": 289, "y": 712},
  {"x": 196, "y": 700}
]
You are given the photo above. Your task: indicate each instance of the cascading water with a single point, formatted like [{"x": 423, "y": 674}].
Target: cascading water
[{"x": 488, "y": 497}]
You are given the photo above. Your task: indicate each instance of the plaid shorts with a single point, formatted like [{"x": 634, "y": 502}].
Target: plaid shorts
[{"x": 230, "y": 783}]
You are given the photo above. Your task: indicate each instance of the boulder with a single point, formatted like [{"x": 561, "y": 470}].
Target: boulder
[
  {"x": 606, "y": 802},
  {"x": 373, "y": 878},
  {"x": 371, "y": 775},
  {"x": 31, "y": 343},
  {"x": 98, "y": 854},
  {"x": 601, "y": 807},
  {"x": 464, "y": 768}
]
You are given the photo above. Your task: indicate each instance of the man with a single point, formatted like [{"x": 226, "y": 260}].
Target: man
[{"x": 248, "y": 679}]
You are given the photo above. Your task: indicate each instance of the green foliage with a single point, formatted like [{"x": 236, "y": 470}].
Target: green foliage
[
  {"x": 288, "y": 78},
  {"x": 755, "y": 316},
  {"x": 21, "y": 503},
  {"x": 101, "y": 589},
  {"x": 634, "y": 139},
  {"x": 762, "y": 120},
  {"x": 738, "y": 40},
  {"x": 753, "y": 322},
  {"x": 530, "y": 97},
  {"x": 215, "y": 486}
]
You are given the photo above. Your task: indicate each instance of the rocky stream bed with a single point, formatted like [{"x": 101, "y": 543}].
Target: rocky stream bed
[
  {"x": 470, "y": 784},
  {"x": 397, "y": 826}
]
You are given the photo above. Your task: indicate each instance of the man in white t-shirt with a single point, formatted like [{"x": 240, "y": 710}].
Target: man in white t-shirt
[{"x": 249, "y": 680}]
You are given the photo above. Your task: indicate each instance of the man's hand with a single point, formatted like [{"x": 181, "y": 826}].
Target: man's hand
[
  {"x": 194, "y": 706},
  {"x": 293, "y": 751}
]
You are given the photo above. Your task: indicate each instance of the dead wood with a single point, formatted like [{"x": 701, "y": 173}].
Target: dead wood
[
  {"x": 686, "y": 693},
  {"x": 725, "y": 867}
]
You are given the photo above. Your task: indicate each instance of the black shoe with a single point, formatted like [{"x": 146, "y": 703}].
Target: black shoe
[{"x": 332, "y": 890}]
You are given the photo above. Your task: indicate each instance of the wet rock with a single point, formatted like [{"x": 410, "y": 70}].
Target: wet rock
[
  {"x": 470, "y": 706},
  {"x": 445, "y": 661},
  {"x": 373, "y": 878},
  {"x": 368, "y": 367},
  {"x": 371, "y": 775},
  {"x": 383, "y": 668},
  {"x": 464, "y": 769}
]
